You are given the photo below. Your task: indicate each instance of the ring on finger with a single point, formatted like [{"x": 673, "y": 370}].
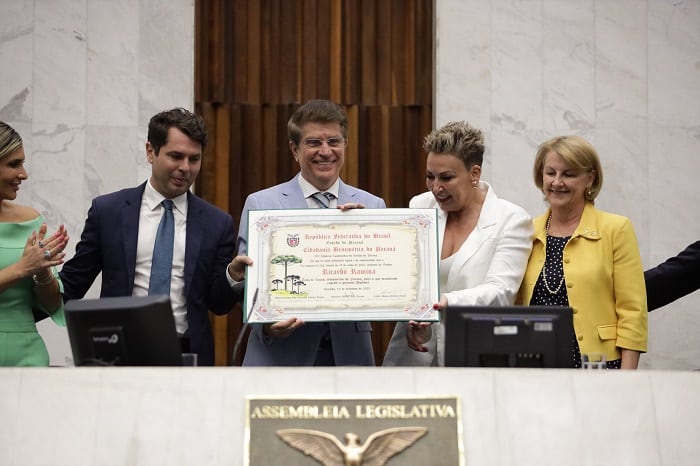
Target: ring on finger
[
  {"x": 47, "y": 254},
  {"x": 41, "y": 245}
]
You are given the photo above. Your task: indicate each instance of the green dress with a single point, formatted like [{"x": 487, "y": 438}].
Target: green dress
[{"x": 20, "y": 343}]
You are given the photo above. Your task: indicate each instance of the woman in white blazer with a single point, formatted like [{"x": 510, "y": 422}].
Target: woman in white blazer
[{"x": 484, "y": 241}]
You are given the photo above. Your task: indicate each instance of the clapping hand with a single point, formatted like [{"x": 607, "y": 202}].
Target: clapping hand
[{"x": 40, "y": 252}]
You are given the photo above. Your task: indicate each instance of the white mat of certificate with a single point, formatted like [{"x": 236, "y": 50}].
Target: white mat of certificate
[{"x": 329, "y": 265}]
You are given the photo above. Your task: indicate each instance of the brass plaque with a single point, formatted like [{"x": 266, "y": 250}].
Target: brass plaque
[{"x": 353, "y": 431}]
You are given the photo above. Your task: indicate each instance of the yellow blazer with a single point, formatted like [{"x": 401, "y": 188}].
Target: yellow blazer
[{"x": 604, "y": 281}]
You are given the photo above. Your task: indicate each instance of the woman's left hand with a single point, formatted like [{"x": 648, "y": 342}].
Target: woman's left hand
[
  {"x": 54, "y": 244},
  {"x": 418, "y": 334}
]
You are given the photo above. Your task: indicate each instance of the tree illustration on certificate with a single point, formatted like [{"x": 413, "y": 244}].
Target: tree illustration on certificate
[{"x": 290, "y": 280}]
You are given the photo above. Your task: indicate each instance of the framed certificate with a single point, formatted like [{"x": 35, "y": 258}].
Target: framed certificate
[{"x": 330, "y": 265}]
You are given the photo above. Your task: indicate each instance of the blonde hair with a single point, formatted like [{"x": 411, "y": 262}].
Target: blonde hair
[
  {"x": 10, "y": 141},
  {"x": 577, "y": 152},
  {"x": 458, "y": 138}
]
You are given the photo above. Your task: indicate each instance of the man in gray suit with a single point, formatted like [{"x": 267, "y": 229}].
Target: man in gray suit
[{"x": 318, "y": 137}]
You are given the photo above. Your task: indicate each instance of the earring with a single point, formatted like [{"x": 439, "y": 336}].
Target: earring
[
  {"x": 475, "y": 184},
  {"x": 589, "y": 193}
]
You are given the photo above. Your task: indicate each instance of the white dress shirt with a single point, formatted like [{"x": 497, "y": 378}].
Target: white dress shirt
[
  {"x": 308, "y": 190},
  {"x": 149, "y": 219}
]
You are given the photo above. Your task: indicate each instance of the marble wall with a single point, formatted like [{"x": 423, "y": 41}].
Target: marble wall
[
  {"x": 80, "y": 80},
  {"x": 623, "y": 74}
]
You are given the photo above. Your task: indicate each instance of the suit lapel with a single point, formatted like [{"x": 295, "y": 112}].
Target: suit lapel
[
  {"x": 471, "y": 246},
  {"x": 290, "y": 195},
  {"x": 442, "y": 222},
  {"x": 193, "y": 240},
  {"x": 130, "y": 212},
  {"x": 483, "y": 231},
  {"x": 345, "y": 195}
]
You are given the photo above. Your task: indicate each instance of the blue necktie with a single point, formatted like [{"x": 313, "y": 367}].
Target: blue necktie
[
  {"x": 323, "y": 199},
  {"x": 162, "y": 263}
]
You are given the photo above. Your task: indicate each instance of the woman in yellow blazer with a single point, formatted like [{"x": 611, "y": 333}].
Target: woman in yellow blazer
[{"x": 586, "y": 258}]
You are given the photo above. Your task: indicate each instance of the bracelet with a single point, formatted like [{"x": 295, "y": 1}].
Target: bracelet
[{"x": 39, "y": 282}]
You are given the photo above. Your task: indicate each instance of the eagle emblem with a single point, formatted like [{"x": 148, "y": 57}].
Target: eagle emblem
[{"x": 329, "y": 451}]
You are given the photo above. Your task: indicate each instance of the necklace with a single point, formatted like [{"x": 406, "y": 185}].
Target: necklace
[{"x": 544, "y": 269}]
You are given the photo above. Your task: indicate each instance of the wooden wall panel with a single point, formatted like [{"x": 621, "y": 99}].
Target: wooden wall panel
[
  {"x": 287, "y": 80},
  {"x": 335, "y": 20},
  {"x": 258, "y": 60},
  {"x": 352, "y": 51}
]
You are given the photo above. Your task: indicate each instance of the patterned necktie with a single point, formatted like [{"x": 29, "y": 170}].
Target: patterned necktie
[
  {"x": 162, "y": 263},
  {"x": 323, "y": 199}
]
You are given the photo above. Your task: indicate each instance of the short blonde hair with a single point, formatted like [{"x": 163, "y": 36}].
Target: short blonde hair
[
  {"x": 460, "y": 139},
  {"x": 10, "y": 141},
  {"x": 577, "y": 152}
]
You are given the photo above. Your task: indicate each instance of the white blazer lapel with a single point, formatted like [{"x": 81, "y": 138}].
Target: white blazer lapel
[
  {"x": 442, "y": 221},
  {"x": 484, "y": 230},
  {"x": 470, "y": 248}
]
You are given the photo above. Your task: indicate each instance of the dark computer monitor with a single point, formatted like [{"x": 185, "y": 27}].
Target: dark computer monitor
[
  {"x": 513, "y": 336},
  {"x": 126, "y": 331}
]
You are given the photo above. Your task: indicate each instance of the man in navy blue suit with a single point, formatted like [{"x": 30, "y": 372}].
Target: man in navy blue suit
[
  {"x": 120, "y": 231},
  {"x": 318, "y": 136},
  {"x": 674, "y": 278}
]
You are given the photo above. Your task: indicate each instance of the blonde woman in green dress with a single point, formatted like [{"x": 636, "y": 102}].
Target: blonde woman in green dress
[{"x": 27, "y": 259}]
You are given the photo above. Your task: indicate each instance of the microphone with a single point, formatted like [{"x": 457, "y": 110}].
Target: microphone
[{"x": 239, "y": 340}]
